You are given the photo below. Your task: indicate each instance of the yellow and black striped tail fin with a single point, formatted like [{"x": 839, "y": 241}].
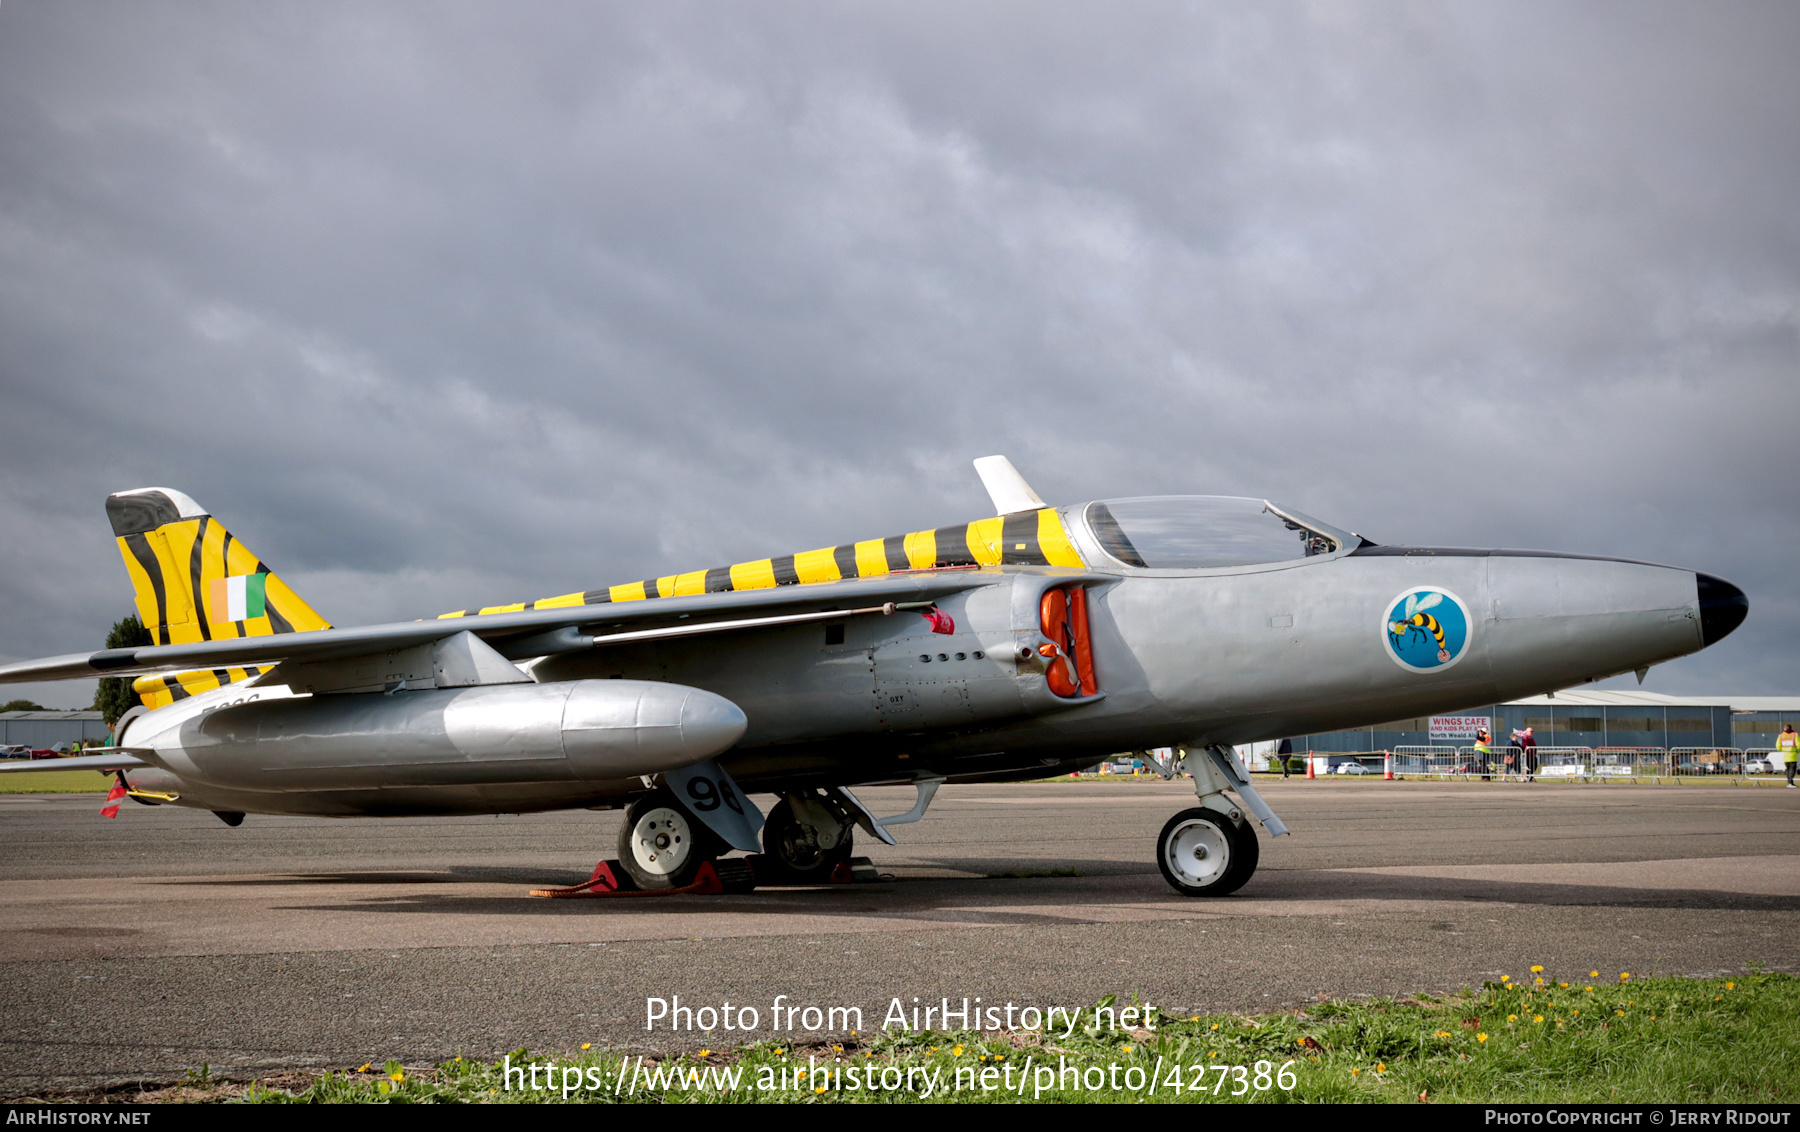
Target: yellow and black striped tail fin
[{"x": 195, "y": 582}]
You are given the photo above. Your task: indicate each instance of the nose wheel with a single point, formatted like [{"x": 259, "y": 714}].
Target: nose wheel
[{"x": 1201, "y": 852}]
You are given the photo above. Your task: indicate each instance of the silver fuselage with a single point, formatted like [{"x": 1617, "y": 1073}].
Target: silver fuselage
[{"x": 1182, "y": 657}]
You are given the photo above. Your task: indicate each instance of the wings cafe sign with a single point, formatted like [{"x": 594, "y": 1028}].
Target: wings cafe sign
[{"x": 1459, "y": 726}]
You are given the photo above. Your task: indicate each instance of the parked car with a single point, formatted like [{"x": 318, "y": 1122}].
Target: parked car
[
  {"x": 1759, "y": 764},
  {"x": 1352, "y": 768}
]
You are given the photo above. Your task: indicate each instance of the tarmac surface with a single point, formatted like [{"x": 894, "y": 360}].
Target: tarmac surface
[{"x": 141, "y": 948}]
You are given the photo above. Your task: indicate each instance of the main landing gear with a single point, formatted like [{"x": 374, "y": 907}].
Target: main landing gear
[{"x": 1211, "y": 849}]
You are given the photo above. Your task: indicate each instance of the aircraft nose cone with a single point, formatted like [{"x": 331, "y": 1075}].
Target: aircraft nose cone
[{"x": 1723, "y": 607}]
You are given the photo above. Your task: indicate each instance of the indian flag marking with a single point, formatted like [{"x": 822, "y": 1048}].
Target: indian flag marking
[{"x": 236, "y": 599}]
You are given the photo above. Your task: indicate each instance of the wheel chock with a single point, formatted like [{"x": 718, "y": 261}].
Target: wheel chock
[{"x": 731, "y": 875}]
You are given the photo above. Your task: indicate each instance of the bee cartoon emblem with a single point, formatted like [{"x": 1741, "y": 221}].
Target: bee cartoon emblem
[{"x": 1426, "y": 628}]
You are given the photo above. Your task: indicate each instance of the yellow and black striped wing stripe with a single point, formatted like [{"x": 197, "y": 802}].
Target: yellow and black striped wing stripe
[{"x": 1027, "y": 538}]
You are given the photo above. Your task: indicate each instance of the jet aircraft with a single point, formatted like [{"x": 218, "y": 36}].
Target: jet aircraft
[{"x": 1023, "y": 645}]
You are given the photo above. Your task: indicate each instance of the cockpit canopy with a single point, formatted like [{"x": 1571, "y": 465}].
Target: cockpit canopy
[{"x": 1200, "y": 531}]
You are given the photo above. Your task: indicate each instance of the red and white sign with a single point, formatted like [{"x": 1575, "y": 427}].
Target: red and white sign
[{"x": 1459, "y": 726}]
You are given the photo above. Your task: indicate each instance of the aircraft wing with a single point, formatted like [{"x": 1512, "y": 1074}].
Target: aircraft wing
[
  {"x": 114, "y": 759},
  {"x": 535, "y": 632}
]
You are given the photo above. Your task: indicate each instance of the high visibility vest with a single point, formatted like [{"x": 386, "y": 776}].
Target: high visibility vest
[{"x": 1788, "y": 743}]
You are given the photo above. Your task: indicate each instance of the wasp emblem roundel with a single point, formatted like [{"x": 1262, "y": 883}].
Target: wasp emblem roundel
[{"x": 1426, "y": 628}]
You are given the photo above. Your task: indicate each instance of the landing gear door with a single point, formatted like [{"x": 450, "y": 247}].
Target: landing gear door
[{"x": 708, "y": 793}]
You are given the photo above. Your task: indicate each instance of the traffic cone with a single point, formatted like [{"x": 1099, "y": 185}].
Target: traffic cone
[
  {"x": 1387, "y": 766},
  {"x": 1309, "y": 765}
]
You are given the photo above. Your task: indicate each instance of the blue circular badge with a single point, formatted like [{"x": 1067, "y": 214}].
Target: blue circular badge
[{"x": 1426, "y": 628}]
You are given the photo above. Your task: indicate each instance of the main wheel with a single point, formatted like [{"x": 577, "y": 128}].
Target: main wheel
[
  {"x": 661, "y": 846},
  {"x": 1202, "y": 852},
  {"x": 806, "y": 849}
]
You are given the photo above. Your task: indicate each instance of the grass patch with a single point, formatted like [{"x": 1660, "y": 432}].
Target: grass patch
[
  {"x": 1564, "y": 1039},
  {"x": 55, "y": 782}
]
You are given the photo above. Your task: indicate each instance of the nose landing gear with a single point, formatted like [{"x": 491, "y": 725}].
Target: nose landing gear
[{"x": 1211, "y": 849}]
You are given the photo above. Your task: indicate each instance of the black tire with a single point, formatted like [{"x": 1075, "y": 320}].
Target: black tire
[
  {"x": 661, "y": 845},
  {"x": 793, "y": 847},
  {"x": 1201, "y": 852}
]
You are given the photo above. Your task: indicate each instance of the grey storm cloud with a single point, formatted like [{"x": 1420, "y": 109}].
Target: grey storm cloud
[{"x": 453, "y": 304}]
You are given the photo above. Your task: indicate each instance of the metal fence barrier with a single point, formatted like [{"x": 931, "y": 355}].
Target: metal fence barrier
[
  {"x": 1705, "y": 761},
  {"x": 1426, "y": 762},
  {"x": 1761, "y": 761}
]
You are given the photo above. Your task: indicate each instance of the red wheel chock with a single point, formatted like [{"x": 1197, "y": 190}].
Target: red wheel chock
[
  {"x": 715, "y": 878},
  {"x": 726, "y": 876}
]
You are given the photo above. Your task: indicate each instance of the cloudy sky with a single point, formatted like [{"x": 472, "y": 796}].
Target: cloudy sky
[{"x": 440, "y": 305}]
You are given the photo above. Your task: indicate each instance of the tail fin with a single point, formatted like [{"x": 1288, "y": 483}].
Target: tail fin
[{"x": 195, "y": 582}]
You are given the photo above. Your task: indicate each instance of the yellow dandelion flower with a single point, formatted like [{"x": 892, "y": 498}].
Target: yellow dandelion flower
[
  {"x": 1729, "y": 986},
  {"x": 584, "y": 1045},
  {"x": 1620, "y": 1013},
  {"x": 1593, "y": 974},
  {"x": 957, "y": 1052},
  {"x": 397, "y": 1075},
  {"x": 1126, "y": 1048},
  {"x": 1512, "y": 1017},
  {"x": 837, "y": 1049},
  {"x": 1537, "y": 1017},
  {"x": 706, "y": 1053},
  {"x": 1215, "y": 1025},
  {"x": 1481, "y": 1037},
  {"x": 1590, "y": 990},
  {"x": 1653, "y": 1018},
  {"x": 1564, "y": 986},
  {"x": 1356, "y": 1073},
  {"x": 820, "y": 1089},
  {"x": 365, "y": 1067},
  {"x": 866, "y": 1053},
  {"x": 1536, "y": 969},
  {"x": 982, "y": 1057},
  {"x": 1380, "y": 1068},
  {"x": 1623, "y": 975},
  {"x": 999, "y": 1057}
]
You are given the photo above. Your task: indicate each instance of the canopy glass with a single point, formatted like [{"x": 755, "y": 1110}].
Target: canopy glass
[{"x": 1200, "y": 531}]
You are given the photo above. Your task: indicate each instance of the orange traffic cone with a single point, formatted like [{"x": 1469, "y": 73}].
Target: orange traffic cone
[
  {"x": 1387, "y": 766},
  {"x": 1309, "y": 765}
]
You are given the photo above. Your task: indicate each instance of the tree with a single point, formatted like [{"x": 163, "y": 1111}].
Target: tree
[
  {"x": 22, "y": 705},
  {"x": 115, "y": 696}
]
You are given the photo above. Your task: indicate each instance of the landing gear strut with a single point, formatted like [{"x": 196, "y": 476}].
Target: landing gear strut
[{"x": 1212, "y": 850}]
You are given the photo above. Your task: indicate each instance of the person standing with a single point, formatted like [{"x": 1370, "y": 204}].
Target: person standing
[
  {"x": 1528, "y": 753},
  {"x": 1484, "y": 754},
  {"x": 1788, "y": 744}
]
